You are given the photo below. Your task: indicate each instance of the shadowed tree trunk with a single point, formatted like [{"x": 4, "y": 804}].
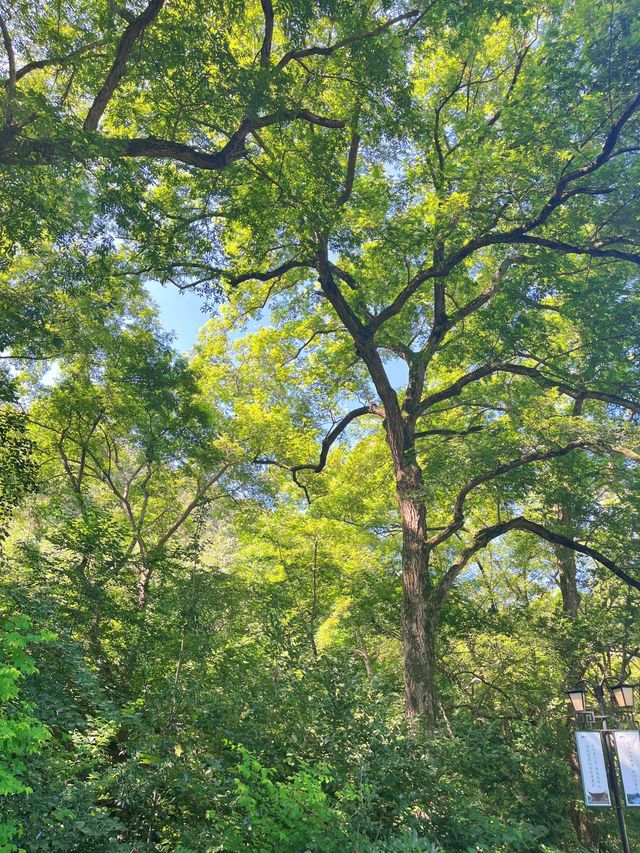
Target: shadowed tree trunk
[{"x": 566, "y": 563}]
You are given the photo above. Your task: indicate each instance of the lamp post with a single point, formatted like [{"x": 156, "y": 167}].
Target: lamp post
[{"x": 622, "y": 697}]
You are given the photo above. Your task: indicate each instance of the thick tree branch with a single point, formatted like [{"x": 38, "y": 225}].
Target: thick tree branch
[
  {"x": 487, "y": 534},
  {"x": 267, "y": 275},
  {"x": 533, "y": 373},
  {"x": 234, "y": 149},
  {"x": 521, "y": 234},
  {"x": 498, "y": 471},
  {"x": 596, "y": 251},
  {"x": 368, "y": 352},
  {"x": 11, "y": 61},
  {"x": 131, "y": 34},
  {"x": 265, "y": 50},
  {"x": 351, "y": 169},
  {"x": 559, "y": 194}
]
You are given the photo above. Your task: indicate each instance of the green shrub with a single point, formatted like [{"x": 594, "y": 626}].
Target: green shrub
[{"x": 21, "y": 734}]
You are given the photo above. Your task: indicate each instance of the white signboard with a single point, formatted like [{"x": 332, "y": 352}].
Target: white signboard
[
  {"x": 628, "y": 749},
  {"x": 593, "y": 769}
]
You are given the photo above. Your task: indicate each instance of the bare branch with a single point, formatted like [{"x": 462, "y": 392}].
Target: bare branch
[
  {"x": 559, "y": 195},
  {"x": 316, "y": 333}
]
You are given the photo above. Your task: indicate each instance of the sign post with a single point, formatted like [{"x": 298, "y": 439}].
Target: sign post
[{"x": 597, "y": 760}]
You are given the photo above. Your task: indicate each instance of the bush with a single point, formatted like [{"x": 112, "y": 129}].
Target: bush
[{"x": 21, "y": 734}]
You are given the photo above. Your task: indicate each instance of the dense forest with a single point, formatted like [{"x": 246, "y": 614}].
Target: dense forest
[{"x": 319, "y": 581}]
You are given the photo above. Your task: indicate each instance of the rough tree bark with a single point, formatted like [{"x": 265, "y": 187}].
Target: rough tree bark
[{"x": 419, "y": 620}]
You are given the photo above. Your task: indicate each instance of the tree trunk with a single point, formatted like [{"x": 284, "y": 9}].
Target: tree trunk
[
  {"x": 567, "y": 577},
  {"x": 586, "y": 831},
  {"x": 144, "y": 577},
  {"x": 419, "y": 617}
]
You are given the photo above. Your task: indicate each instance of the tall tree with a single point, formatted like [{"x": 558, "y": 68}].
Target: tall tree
[
  {"x": 486, "y": 239},
  {"x": 475, "y": 192}
]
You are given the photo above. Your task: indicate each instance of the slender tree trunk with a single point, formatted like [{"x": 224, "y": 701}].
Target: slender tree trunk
[
  {"x": 144, "y": 577},
  {"x": 364, "y": 654}
]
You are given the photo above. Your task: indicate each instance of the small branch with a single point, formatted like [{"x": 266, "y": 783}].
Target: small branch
[
  {"x": 184, "y": 515},
  {"x": 330, "y": 438},
  {"x": 56, "y": 60},
  {"x": 569, "y": 248},
  {"x": 474, "y": 304},
  {"x": 343, "y": 275},
  {"x": 327, "y": 442},
  {"x": 518, "y": 68},
  {"x": 327, "y": 50},
  {"x": 449, "y": 433},
  {"x": 309, "y": 340}
]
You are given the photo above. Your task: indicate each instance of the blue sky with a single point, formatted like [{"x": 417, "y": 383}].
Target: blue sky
[{"x": 181, "y": 312}]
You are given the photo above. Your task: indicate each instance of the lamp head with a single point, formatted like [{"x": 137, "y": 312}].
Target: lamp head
[
  {"x": 578, "y": 699},
  {"x": 622, "y": 695}
]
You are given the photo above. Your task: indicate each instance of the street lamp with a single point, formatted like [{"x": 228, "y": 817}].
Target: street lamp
[{"x": 622, "y": 696}]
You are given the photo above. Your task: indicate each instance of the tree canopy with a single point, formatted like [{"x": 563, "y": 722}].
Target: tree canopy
[{"x": 319, "y": 582}]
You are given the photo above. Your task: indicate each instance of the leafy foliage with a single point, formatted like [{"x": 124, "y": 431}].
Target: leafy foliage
[{"x": 318, "y": 583}]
